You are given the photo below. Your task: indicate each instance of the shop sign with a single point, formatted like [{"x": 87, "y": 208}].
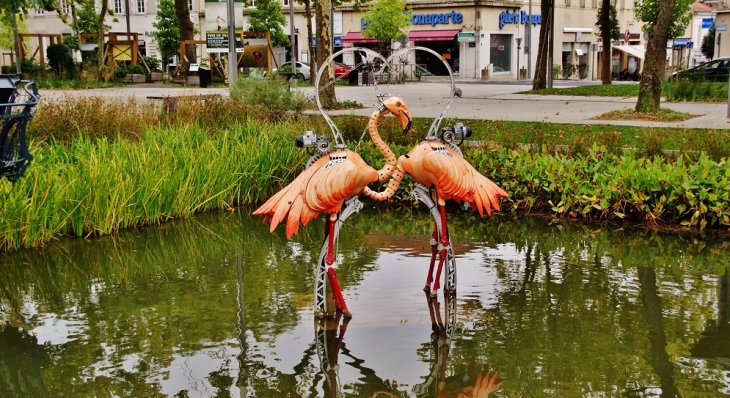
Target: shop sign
[
  {"x": 521, "y": 17},
  {"x": 466, "y": 37},
  {"x": 435, "y": 19}
]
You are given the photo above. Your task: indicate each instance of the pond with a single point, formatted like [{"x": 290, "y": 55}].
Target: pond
[{"x": 216, "y": 306}]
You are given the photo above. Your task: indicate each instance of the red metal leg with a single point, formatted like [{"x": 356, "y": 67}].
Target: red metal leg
[
  {"x": 434, "y": 250},
  {"x": 337, "y": 293},
  {"x": 444, "y": 240}
]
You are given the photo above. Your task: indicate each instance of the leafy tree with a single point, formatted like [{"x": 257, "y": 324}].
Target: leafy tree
[
  {"x": 708, "y": 44},
  {"x": 167, "y": 34},
  {"x": 7, "y": 39},
  {"x": 608, "y": 29},
  {"x": 387, "y": 20},
  {"x": 541, "y": 67},
  {"x": 267, "y": 16},
  {"x": 663, "y": 19},
  {"x": 187, "y": 29}
]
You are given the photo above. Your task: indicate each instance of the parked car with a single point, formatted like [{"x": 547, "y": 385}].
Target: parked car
[
  {"x": 302, "y": 69},
  {"x": 714, "y": 71},
  {"x": 341, "y": 70}
]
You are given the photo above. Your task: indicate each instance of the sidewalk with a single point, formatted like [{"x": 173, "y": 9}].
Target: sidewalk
[{"x": 493, "y": 100}]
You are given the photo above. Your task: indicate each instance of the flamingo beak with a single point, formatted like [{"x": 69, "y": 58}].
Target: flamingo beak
[{"x": 405, "y": 119}]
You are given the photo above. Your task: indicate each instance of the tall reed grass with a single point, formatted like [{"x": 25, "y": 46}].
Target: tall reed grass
[{"x": 97, "y": 187}]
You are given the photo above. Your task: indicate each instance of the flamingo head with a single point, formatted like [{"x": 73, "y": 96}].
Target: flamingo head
[{"x": 399, "y": 109}]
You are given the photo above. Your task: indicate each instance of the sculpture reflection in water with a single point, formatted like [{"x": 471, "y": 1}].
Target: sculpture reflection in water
[{"x": 329, "y": 341}]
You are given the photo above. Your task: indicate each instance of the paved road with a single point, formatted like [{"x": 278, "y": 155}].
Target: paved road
[{"x": 479, "y": 100}]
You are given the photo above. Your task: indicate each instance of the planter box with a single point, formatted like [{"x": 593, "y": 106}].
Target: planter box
[
  {"x": 193, "y": 80},
  {"x": 156, "y": 76},
  {"x": 134, "y": 78}
]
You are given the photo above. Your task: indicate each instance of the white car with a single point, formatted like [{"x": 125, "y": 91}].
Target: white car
[{"x": 302, "y": 69}]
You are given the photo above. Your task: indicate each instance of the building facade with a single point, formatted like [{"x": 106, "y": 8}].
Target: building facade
[{"x": 498, "y": 36}]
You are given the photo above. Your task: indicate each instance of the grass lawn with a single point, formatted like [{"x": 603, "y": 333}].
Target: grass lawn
[{"x": 595, "y": 90}]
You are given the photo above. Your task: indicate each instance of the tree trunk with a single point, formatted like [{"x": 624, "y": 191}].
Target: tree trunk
[
  {"x": 310, "y": 44},
  {"x": 539, "y": 82},
  {"x": 607, "y": 52},
  {"x": 324, "y": 50},
  {"x": 186, "y": 28},
  {"x": 650, "y": 88},
  {"x": 100, "y": 38}
]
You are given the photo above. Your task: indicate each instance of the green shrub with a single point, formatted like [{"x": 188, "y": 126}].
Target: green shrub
[
  {"x": 62, "y": 64},
  {"x": 272, "y": 98}
]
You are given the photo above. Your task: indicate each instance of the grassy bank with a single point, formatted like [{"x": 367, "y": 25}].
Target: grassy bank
[
  {"x": 683, "y": 90},
  {"x": 93, "y": 179}
]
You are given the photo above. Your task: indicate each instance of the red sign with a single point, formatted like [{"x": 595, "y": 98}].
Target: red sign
[{"x": 627, "y": 35}]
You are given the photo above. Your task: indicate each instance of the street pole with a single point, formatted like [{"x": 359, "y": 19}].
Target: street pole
[
  {"x": 291, "y": 39},
  {"x": 16, "y": 44},
  {"x": 519, "y": 40},
  {"x": 126, "y": 5},
  {"x": 232, "y": 59},
  {"x": 528, "y": 46}
]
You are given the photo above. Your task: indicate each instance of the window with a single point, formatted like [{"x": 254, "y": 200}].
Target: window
[
  {"x": 595, "y": 3},
  {"x": 140, "y": 7},
  {"x": 583, "y": 3},
  {"x": 64, "y": 7},
  {"x": 118, "y": 8},
  {"x": 39, "y": 11},
  {"x": 190, "y": 5},
  {"x": 249, "y": 3},
  {"x": 286, "y": 2}
]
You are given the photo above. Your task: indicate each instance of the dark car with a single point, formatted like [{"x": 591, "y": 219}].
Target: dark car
[{"x": 714, "y": 71}]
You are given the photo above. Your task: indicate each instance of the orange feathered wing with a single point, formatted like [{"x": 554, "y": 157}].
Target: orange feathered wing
[
  {"x": 323, "y": 187},
  {"x": 453, "y": 177}
]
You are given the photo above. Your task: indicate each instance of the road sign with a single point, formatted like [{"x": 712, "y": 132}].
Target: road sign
[
  {"x": 690, "y": 45},
  {"x": 468, "y": 37}
]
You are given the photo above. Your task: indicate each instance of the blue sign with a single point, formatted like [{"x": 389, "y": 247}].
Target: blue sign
[
  {"x": 681, "y": 41},
  {"x": 690, "y": 45},
  {"x": 314, "y": 42},
  {"x": 522, "y": 17},
  {"x": 434, "y": 19},
  {"x": 707, "y": 23},
  {"x": 338, "y": 41}
]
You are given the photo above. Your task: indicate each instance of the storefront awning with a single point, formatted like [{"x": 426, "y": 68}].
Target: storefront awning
[
  {"x": 357, "y": 37},
  {"x": 636, "y": 51},
  {"x": 432, "y": 35}
]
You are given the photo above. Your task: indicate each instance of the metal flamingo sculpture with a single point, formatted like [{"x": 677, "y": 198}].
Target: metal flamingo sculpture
[
  {"x": 331, "y": 185},
  {"x": 440, "y": 171}
]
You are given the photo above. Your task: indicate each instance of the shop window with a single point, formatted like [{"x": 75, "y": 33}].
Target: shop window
[
  {"x": 500, "y": 53},
  {"x": 567, "y": 60},
  {"x": 582, "y": 53}
]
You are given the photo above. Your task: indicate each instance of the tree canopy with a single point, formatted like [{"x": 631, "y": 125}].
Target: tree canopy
[
  {"x": 267, "y": 16},
  {"x": 647, "y": 11},
  {"x": 387, "y": 20}
]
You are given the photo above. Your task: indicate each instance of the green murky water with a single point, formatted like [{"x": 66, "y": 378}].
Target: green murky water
[{"x": 217, "y": 307}]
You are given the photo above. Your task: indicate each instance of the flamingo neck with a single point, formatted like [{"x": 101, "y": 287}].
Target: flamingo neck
[{"x": 390, "y": 158}]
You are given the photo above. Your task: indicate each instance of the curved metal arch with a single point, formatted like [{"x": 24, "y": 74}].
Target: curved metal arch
[
  {"x": 405, "y": 52},
  {"x": 370, "y": 56}
]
